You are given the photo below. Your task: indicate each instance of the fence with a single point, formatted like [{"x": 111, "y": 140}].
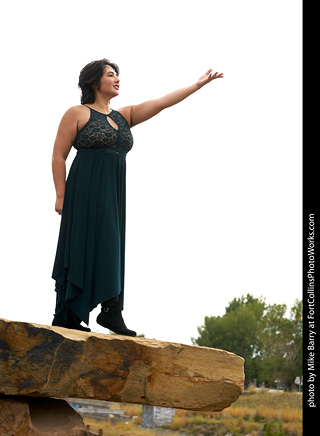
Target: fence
[{"x": 94, "y": 434}]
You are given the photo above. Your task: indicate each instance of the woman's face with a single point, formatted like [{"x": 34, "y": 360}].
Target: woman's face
[{"x": 109, "y": 82}]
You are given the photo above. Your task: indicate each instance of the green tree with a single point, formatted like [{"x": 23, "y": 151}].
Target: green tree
[
  {"x": 236, "y": 331},
  {"x": 270, "y": 343},
  {"x": 280, "y": 348}
]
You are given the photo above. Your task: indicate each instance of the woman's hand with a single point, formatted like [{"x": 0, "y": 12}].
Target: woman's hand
[
  {"x": 59, "y": 205},
  {"x": 208, "y": 77}
]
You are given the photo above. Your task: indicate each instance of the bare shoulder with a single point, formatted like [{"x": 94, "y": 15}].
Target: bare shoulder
[
  {"x": 76, "y": 117},
  {"x": 76, "y": 111},
  {"x": 126, "y": 113}
]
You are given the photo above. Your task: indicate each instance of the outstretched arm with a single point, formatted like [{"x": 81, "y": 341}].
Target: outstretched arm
[{"x": 139, "y": 113}]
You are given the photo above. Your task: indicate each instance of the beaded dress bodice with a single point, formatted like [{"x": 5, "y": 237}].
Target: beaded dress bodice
[{"x": 98, "y": 134}]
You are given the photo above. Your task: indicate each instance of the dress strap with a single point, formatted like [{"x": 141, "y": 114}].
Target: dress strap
[{"x": 98, "y": 112}]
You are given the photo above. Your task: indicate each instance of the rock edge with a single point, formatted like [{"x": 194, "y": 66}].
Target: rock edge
[{"x": 43, "y": 361}]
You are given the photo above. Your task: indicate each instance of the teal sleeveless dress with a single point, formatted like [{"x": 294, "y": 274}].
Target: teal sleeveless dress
[{"x": 90, "y": 258}]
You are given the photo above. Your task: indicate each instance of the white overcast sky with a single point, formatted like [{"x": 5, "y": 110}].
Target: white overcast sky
[{"x": 214, "y": 184}]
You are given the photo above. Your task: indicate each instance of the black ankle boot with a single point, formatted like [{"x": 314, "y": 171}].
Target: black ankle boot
[
  {"x": 73, "y": 322},
  {"x": 111, "y": 318}
]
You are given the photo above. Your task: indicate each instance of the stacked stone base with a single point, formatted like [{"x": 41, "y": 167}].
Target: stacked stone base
[
  {"x": 40, "y": 365},
  {"x": 26, "y": 416}
]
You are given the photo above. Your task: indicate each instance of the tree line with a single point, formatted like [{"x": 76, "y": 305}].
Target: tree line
[{"x": 268, "y": 339}]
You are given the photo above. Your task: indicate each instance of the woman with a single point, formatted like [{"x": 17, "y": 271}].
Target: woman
[{"x": 89, "y": 262}]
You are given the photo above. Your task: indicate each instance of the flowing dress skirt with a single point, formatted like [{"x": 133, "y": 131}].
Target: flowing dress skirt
[{"x": 90, "y": 257}]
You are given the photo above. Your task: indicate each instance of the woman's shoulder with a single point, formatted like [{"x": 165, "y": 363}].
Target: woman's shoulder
[
  {"x": 75, "y": 113},
  {"x": 126, "y": 113},
  {"x": 78, "y": 109},
  {"x": 75, "y": 117}
]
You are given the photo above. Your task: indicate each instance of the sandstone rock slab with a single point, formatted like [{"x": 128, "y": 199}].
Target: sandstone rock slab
[{"x": 37, "y": 360}]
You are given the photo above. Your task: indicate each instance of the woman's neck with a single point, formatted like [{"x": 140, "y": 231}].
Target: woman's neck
[{"x": 101, "y": 104}]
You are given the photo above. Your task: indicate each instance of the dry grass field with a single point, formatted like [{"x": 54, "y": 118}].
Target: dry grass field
[{"x": 260, "y": 413}]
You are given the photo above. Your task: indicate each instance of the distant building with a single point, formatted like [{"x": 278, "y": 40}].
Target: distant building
[
  {"x": 155, "y": 416},
  {"x": 96, "y": 409}
]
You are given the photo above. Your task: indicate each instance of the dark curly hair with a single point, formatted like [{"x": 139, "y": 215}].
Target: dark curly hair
[{"x": 90, "y": 75}]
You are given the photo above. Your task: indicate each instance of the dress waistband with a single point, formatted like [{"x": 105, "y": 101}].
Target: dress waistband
[{"x": 101, "y": 150}]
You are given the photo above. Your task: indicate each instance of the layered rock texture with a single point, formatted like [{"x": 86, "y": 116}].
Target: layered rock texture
[
  {"x": 42, "y": 361},
  {"x": 26, "y": 416}
]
